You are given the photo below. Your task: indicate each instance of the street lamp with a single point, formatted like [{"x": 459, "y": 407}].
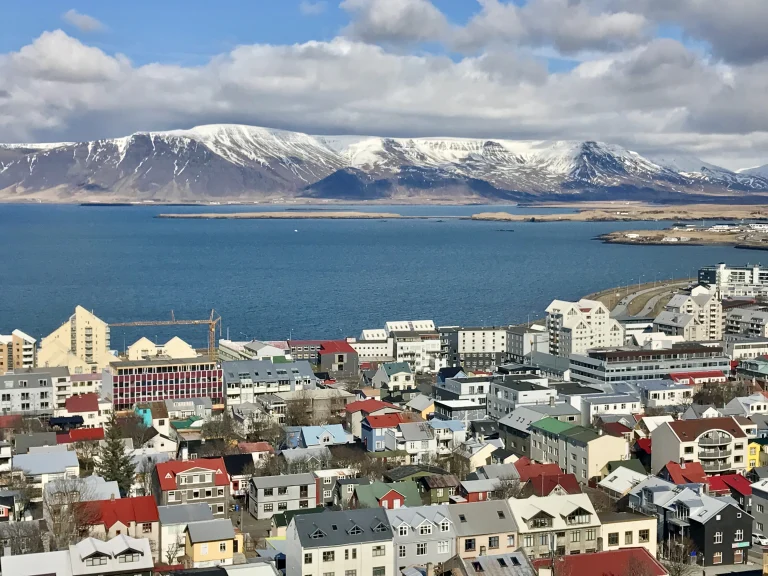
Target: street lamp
[{"x": 638, "y": 281}]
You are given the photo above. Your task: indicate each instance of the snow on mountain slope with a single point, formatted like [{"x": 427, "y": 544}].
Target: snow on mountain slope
[{"x": 759, "y": 171}]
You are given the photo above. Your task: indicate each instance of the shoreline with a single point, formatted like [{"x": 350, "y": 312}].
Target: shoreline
[{"x": 292, "y": 216}]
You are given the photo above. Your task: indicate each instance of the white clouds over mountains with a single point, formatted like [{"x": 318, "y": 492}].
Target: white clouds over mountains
[{"x": 629, "y": 87}]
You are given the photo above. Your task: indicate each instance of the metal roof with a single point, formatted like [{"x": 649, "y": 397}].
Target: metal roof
[
  {"x": 211, "y": 530},
  {"x": 344, "y": 527}
]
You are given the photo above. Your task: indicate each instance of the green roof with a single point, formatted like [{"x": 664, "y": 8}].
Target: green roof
[
  {"x": 280, "y": 360},
  {"x": 387, "y": 454},
  {"x": 369, "y": 495},
  {"x": 284, "y": 518},
  {"x": 186, "y": 423},
  {"x": 552, "y": 425},
  {"x": 632, "y": 464}
]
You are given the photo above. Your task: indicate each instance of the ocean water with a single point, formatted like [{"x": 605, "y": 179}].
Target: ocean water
[{"x": 309, "y": 278}]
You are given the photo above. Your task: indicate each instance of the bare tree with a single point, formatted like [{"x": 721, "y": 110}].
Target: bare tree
[
  {"x": 263, "y": 428},
  {"x": 172, "y": 551},
  {"x": 676, "y": 558},
  {"x": 298, "y": 410},
  {"x": 601, "y": 501},
  {"x": 86, "y": 451},
  {"x": 145, "y": 472},
  {"x": 507, "y": 487},
  {"x": 456, "y": 463},
  {"x": 131, "y": 426},
  {"x": 223, "y": 427},
  {"x": 22, "y": 537},
  {"x": 68, "y": 511},
  {"x": 25, "y": 492}
]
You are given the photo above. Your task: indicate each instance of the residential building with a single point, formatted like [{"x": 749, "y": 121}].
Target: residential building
[
  {"x": 419, "y": 347},
  {"x": 552, "y": 485},
  {"x": 305, "y": 349},
  {"x": 145, "y": 349},
  {"x": 514, "y": 428},
  {"x": 423, "y": 534},
  {"x": 277, "y": 351},
  {"x": 247, "y": 380},
  {"x": 508, "y": 392},
  {"x": 719, "y": 444},
  {"x": 664, "y": 393},
  {"x": 510, "y": 564},
  {"x": 374, "y": 350},
  {"x": 348, "y": 542},
  {"x": 325, "y": 435},
  {"x": 597, "y": 405},
  {"x": 389, "y": 495},
  {"x": 240, "y": 468},
  {"x": 482, "y": 348},
  {"x": 43, "y": 467},
  {"x": 34, "y": 392},
  {"x": 629, "y": 561},
  {"x": 477, "y": 452},
  {"x": 173, "y": 525},
  {"x": 697, "y": 411},
  {"x": 618, "y": 483},
  {"x": 449, "y": 434},
  {"x": 339, "y": 359},
  {"x": 746, "y": 406},
  {"x": 580, "y": 451},
  {"x": 202, "y": 480},
  {"x": 129, "y": 382},
  {"x": 524, "y": 339},
  {"x": 269, "y": 495},
  {"x": 81, "y": 344},
  {"x": 416, "y": 439},
  {"x": 699, "y": 378},
  {"x": 135, "y": 517},
  {"x": 473, "y": 389},
  {"x": 461, "y": 410},
  {"x": 696, "y": 316},
  {"x": 89, "y": 556},
  {"x": 182, "y": 408},
  {"x": 17, "y": 351},
  {"x": 760, "y": 506},
  {"x": 94, "y": 411},
  {"x": 745, "y": 347},
  {"x": 755, "y": 369},
  {"x": 212, "y": 543},
  {"x": 736, "y": 281},
  {"x": 437, "y": 488},
  {"x": 683, "y": 473},
  {"x": 325, "y": 404},
  {"x": 373, "y": 429},
  {"x": 575, "y": 327},
  {"x": 630, "y": 363},
  {"x": 563, "y": 524},
  {"x": 422, "y": 405},
  {"x": 484, "y": 528},
  {"x": 327, "y": 481},
  {"x": 394, "y": 377},
  {"x": 719, "y": 531}
]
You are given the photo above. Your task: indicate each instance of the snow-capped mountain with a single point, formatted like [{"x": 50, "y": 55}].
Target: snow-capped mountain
[
  {"x": 759, "y": 171},
  {"x": 239, "y": 162}
]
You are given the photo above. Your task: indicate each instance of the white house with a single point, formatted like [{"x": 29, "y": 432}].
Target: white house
[
  {"x": 417, "y": 439},
  {"x": 43, "y": 467},
  {"x": 394, "y": 376},
  {"x": 575, "y": 327},
  {"x": 94, "y": 411},
  {"x": 173, "y": 523}
]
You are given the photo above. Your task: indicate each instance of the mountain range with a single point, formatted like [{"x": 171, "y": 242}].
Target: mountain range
[{"x": 237, "y": 162}]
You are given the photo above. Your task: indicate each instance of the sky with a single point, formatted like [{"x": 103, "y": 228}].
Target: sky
[{"x": 662, "y": 77}]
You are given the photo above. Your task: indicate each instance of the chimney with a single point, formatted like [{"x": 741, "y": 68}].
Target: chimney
[
  {"x": 112, "y": 497},
  {"x": 430, "y": 569},
  {"x": 551, "y": 400},
  {"x": 184, "y": 454}
]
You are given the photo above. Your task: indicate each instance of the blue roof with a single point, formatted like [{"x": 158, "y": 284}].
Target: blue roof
[
  {"x": 454, "y": 425},
  {"x": 313, "y": 434}
]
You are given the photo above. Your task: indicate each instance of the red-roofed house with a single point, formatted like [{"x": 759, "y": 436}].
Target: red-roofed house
[
  {"x": 358, "y": 411},
  {"x": 94, "y": 410},
  {"x": 554, "y": 484},
  {"x": 642, "y": 450},
  {"x": 612, "y": 563},
  {"x": 741, "y": 490},
  {"x": 259, "y": 450},
  {"x": 203, "y": 481},
  {"x": 339, "y": 359},
  {"x": 685, "y": 473},
  {"x": 528, "y": 469},
  {"x": 373, "y": 429},
  {"x": 135, "y": 517},
  {"x": 617, "y": 429},
  {"x": 698, "y": 379},
  {"x": 80, "y": 435}
]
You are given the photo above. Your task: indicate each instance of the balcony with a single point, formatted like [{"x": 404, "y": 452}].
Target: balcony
[
  {"x": 714, "y": 440},
  {"x": 714, "y": 454},
  {"x": 716, "y": 465}
]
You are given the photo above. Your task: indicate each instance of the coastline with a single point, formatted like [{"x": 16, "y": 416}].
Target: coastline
[{"x": 291, "y": 216}]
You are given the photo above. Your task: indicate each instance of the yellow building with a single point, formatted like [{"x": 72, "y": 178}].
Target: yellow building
[
  {"x": 80, "y": 344},
  {"x": 628, "y": 530},
  {"x": 17, "y": 350},
  {"x": 212, "y": 543},
  {"x": 175, "y": 349}
]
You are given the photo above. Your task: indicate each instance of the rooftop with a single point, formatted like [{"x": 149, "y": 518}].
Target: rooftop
[{"x": 690, "y": 430}]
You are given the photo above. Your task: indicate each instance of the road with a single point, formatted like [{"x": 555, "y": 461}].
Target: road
[{"x": 621, "y": 307}]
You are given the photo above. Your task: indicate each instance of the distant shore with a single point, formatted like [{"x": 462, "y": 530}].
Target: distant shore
[
  {"x": 290, "y": 216},
  {"x": 690, "y": 212},
  {"x": 687, "y": 237}
]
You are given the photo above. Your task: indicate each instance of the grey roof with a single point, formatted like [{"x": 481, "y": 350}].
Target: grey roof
[
  {"x": 210, "y": 530},
  {"x": 35, "y": 564},
  {"x": 283, "y": 480},
  {"x": 549, "y": 361},
  {"x": 520, "y": 419},
  {"x": 420, "y": 402},
  {"x": 484, "y": 426},
  {"x": 608, "y": 398},
  {"x": 301, "y": 454},
  {"x": 519, "y": 383},
  {"x": 413, "y": 431},
  {"x": 343, "y": 527},
  {"x": 266, "y": 371},
  {"x": 510, "y": 564},
  {"x": 391, "y": 368},
  {"x": 495, "y": 471},
  {"x": 668, "y": 318},
  {"x": 574, "y": 388},
  {"x": 699, "y": 409},
  {"x": 490, "y": 517},
  {"x": 23, "y": 442},
  {"x": 554, "y": 410},
  {"x": 184, "y": 513},
  {"x": 46, "y": 462},
  {"x": 178, "y": 403},
  {"x": 416, "y": 515}
]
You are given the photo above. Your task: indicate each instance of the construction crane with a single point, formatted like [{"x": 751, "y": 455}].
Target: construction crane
[{"x": 213, "y": 321}]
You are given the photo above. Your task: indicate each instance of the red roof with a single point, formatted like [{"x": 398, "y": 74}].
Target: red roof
[
  {"x": 80, "y": 435},
  {"x": 611, "y": 563},
  {"x": 644, "y": 444},
  {"x": 251, "y": 447},
  {"x": 717, "y": 485},
  {"x": 690, "y": 430},
  {"x": 385, "y": 420},
  {"x": 167, "y": 471},
  {"x": 695, "y": 375},
  {"x": 368, "y": 406},
  {"x": 336, "y": 347},
  {"x": 544, "y": 484},
  {"x": 693, "y": 473},
  {"x": 125, "y": 510},
  {"x": 738, "y": 483},
  {"x": 528, "y": 470},
  {"x": 616, "y": 429},
  {"x": 7, "y": 422},
  {"x": 82, "y": 403}
]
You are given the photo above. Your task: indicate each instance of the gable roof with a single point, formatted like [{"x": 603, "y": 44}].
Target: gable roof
[
  {"x": 644, "y": 444},
  {"x": 558, "y": 507},
  {"x": 167, "y": 471},
  {"x": 527, "y": 469},
  {"x": 420, "y": 402},
  {"x": 313, "y": 434},
  {"x": 738, "y": 483},
  {"x": 385, "y": 420},
  {"x": 369, "y": 405},
  {"x": 82, "y": 403},
  {"x": 46, "y": 462},
  {"x": 552, "y": 425},
  {"x": 440, "y": 481},
  {"x": 632, "y": 464},
  {"x": 616, "y": 429},
  {"x": 306, "y": 478},
  {"x": 415, "y": 431},
  {"x": 610, "y": 563},
  {"x": 416, "y": 515},
  {"x": 251, "y": 447},
  {"x": 693, "y": 473},
  {"x": 690, "y": 430},
  {"x": 211, "y": 530},
  {"x": 337, "y": 528},
  {"x": 622, "y": 480},
  {"x": 236, "y": 464},
  {"x": 369, "y": 495},
  {"x": 402, "y": 472},
  {"x": 184, "y": 513},
  {"x": 336, "y": 347},
  {"x": 139, "y": 509},
  {"x": 81, "y": 435},
  {"x": 544, "y": 484},
  {"x": 476, "y": 518},
  {"x": 392, "y": 368}
]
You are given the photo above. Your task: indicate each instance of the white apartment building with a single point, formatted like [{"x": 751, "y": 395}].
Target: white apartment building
[
  {"x": 694, "y": 316},
  {"x": 416, "y": 342},
  {"x": 81, "y": 344},
  {"x": 38, "y": 391},
  {"x": 661, "y": 393},
  {"x": 746, "y": 347},
  {"x": 592, "y": 406},
  {"x": 575, "y": 327},
  {"x": 417, "y": 439},
  {"x": 473, "y": 389},
  {"x": 508, "y": 392},
  {"x": 720, "y": 444},
  {"x": 752, "y": 322},
  {"x": 482, "y": 347},
  {"x": 345, "y": 542},
  {"x": 382, "y": 350},
  {"x": 17, "y": 351},
  {"x": 246, "y": 380},
  {"x": 253, "y": 350},
  {"x": 736, "y": 281}
]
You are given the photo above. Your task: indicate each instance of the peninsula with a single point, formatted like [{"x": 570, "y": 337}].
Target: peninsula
[
  {"x": 638, "y": 212},
  {"x": 298, "y": 215}
]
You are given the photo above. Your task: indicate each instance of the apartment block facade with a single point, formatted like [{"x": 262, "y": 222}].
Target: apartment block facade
[
  {"x": 81, "y": 344},
  {"x": 246, "y": 380},
  {"x": 17, "y": 351},
  {"x": 748, "y": 281},
  {"x": 575, "y": 327},
  {"x": 34, "y": 391},
  {"x": 270, "y": 495},
  {"x": 200, "y": 481},
  {"x": 697, "y": 316}
]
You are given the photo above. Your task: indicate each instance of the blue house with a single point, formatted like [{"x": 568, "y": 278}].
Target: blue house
[{"x": 373, "y": 429}]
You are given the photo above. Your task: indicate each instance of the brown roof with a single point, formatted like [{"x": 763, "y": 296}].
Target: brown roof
[
  {"x": 157, "y": 409},
  {"x": 689, "y": 430},
  {"x": 440, "y": 481}
]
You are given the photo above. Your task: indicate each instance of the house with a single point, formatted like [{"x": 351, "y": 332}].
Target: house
[
  {"x": 373, "y": 429},
  {"x": 326, "y": 482},
  {"x": 135, "y": 517},
  {"x": 698, "y": 411},
  {"x": 338, "y": 358},
  {"x": 40, "y": 468},
  {"x": 664, "y": 393},
  {"x": 477, "y": 453},
  {"x": 181, "y": 408},
  {"x": 642, "y": 450},
  {"x": 280, "y": 522},
  {"x": 460, "y": 410},
  {"x": 358, "y": 411},
  {"x": 272, "y": 494},
  {"x": 299, "y": 460},
  {"x": 746, "y": 406},
  {"x": 349, "y": 542},
  {"x": 154, "y": 415},
  {"x": 412, "y": 472},
  {"x": 503, "y": 456},
  {"x": 740, "y": 490},
  {"x": 720, "y": 444},
  {"x": 416, "y": 439},
  {"x": 627, "y": 530},
  {"x": 719, "y": 531},
  {"x": 568, "y": 524},
  {"x": 190, "y": 481},
  {"x": 508, "y": 392},
  {"x": 509, "y": 564},
  {"x": 240, "y": 467},
  {"x": 93, "y": 409},
  {"x": 437, "y": 489},
  {"x": 526, "y": 469},
  {"x": 422, "y": 535},
  {"x": 326, "y": 435},
  {"x": 345, "y": 489},
  {"x": 683, "y": 473},
  {"x": 484, "y": 528},
  {"x": 260, "y": 451},
  {"x": 552, "y": 485},
  {"x": 617, "y": 484},
  {"x": 450, "y": 372},
  {"x": 394, "y": 377},
  {"x": 611, "y": 563},
  {"x": 449, "y": 434},
  {"x": 422, "y": 405},
  {"x": 475, "y": 490},
  {"x": 211, "y": 543},
  {"x": 648, "y": 424},
  {"x": 698, "y": 378},
  {"x": 386, "y": 495},
  {"x": 324, "y": 404},
  {"x": 760, "y": 505},
  {"x": 173, "y": 525},
  {"x": 633, "y": 464},
  {"x": 248, "y": 380}
]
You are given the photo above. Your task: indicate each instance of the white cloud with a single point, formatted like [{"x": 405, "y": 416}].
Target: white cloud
[
  {"x": 658, "y": 96},
  {"x": 310, "y": 8},
  {"x": 398, "y": 21},
  {"x": 83, "y": 22}
]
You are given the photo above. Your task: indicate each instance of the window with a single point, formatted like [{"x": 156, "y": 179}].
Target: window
[
  {"x": 718, "y": 538},
  {"x": 644, "y": 536},
  {"x": 326, "y": 493},
  {"x": 350, "y": 573},
  {"x": 500, "y": 514},
  {"x": 329, "y": 556},
  {"x": 354, "y": 553},
  {"x": 379, "y": 571},
  {"x": 613, "y": 539},
  {"x": 146, "y": 528},
  {"x": 717, "y": 558},
  {"x": 759, "y": 526},
  {"x": 688, "y": 450},
  {"x": 442, "y": 547},
  {"x": 401, "y": 551},
  {"x": 462, "y": 518},
  {"x": 510, "y": 541},
  {"x": 308, "y": 558},
  {"x": 528, "y": 541},
  {"x": 222, "y": 546},
  {"x": 760, "y": 508},
  {"x": 220, "y": 492},
  {"x": 493, "y": 542},
  {"x": 739, "y": 535},
  {"x": 627, "y": 537},
  {"x": 425, "y": 529},
  {"x": 439, "y": 492},
  {"x": 327, "y": 480},
  {"x": 98, "y": 561},
  {"x": 282, "y": 505},
  {"x": 378, "y": 551},
  {"x": 421, "y": 549},
  {"x": 328, "y": 573},
  {"x": 282, "y": 491},
  {"x": 444, "y": 526},
  {"x": 268, "y": 491},
  {"x": 267, "y": 507},
  {"x": 403, "y": 530},
  {"x": 576, "y": 536},
  {"x": 589, "y": 535},
  {"x": 469, "y": 544},
  {"x": 204, "y": 549}
]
